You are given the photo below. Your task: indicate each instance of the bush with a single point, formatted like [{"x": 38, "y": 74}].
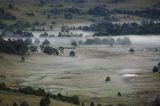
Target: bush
[
  {"x": 50, "y": 50},
  {"x": 131, "y": 50},
  {"x": 155, "y": 69},
  {"x": 28, "y": 41},
  {"x": 119, "y": 94},
  {"x": 108, "y": 79},
  {"x": 24, "y": 103},
  {"x": 72, "y": 53},
  {"x": 15, "y": 104},
  {"x": 2, "y": 85},
  {"x": 99, "y": 104},
  {"x": 46, "y": 42},
  {"x": 33, "y": 48},
  {"x": 157, "y": 101},
  {"x": 92, "y": 104},
  {"x": 45, "y": 101},
  {"x": 22, "y": 59}
]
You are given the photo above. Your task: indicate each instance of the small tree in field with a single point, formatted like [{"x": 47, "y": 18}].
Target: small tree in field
[
  {"x": 45, "y": 101},
  {"x": 72, "y": 54},
  {"x": 92, "y": 104},
  {"x": 46, "y": 42},
  {"x": 155, "y": 69},
  {"x": 22, "y": 58},
  {"x": 15, "y": 104},
  {"x": 132, "y": 50},
  {"x": 24, "y": 103}
]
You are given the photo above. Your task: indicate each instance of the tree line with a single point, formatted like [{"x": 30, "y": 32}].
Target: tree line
[{"x": 105, "y": 29}]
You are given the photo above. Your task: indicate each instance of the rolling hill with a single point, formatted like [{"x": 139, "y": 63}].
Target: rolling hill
[{"x": 39, "y": 10}]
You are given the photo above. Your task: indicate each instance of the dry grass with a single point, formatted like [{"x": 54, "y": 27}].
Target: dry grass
[{"x": 8, "y": 99}]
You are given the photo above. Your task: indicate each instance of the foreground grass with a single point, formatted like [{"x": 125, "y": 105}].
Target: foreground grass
[{"x": 7, "y": 98}]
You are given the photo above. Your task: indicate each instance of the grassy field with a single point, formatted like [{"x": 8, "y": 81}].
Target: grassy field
[
  {"x": 84, "y": 75},
  {"x": 8, "y": 99}
]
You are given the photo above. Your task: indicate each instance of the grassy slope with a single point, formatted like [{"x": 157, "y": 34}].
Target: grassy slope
[
  {"x": 8, "y": 68},
  {"x": 8, "y": 99},
  {"x": 23, "y": 6}
]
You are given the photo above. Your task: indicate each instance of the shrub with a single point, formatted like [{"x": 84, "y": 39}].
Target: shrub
[
  {"x": 22, "y": 59},
  {"x": 2, "y": 85},
  {"x": 99, "y": 104},
  {"x": 108, "y": 79},
  {"x": 72, "y": 53},
  {"x": 45, "y": 101},
  {"x": 157, "y": 101},
  {"x": 33, "y": 48},
  {"x": 155, "y": 69},
  {"x": 131, "y": 50},
  {"x": 50, "y": 50},
  {"x": 119, "y": 94},
  {"x": 24, "y": 103},
  {"x": 28, "y": 41},
  {"x": 92, "y": 104},
  {"x": 46, "y": 42},
  {"x": 40, "y": 92},
  {"x": 15, "y": 104}
]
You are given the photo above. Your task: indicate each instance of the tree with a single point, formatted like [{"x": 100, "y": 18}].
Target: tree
[
  {"x": 108, "y": 79},
  {"x": 104, "y": 41},
  {"x": 131, "y": 50},
  {"x": 126, "y": 41},
  {"x": 92, "y": 104},
  {"x": 46, "y": 42},
  {"x": 15, "y": 104},
  {"x": 111, "y": 41},
  {"x": 157, "y": 101},
  {"x": 24, "y": 103},
  {"x": 75, "y": 100},
  {"x": 82, "y": 104},
  {"x": 45, "y": 101},
  {"x": 119, "y": 41},
  {"x": 50, "y": 50},
  {"x": 74, "y": 43},
  {"x": 28, "y": 41},
  {"x": 119, "y": 94},
  {"x": 37, "y": 41},
  {"x": 22, "y": 58},
  {"x": 72, "y": 53},
  {"x": 33, "y": 48},
  {"x": 155, "y": 69},
  {"x": 45, "y": 34},
  {"x": 99, "y": 104},
  {"x": 159, "y": 64}
]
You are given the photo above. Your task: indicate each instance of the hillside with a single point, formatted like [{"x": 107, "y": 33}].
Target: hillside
[{"x": 40, "y": 10}]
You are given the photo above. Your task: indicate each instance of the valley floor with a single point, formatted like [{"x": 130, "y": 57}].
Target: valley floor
[{"x": 85, "y": 74}]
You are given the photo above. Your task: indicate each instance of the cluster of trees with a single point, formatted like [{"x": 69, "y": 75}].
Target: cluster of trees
[
  {"x": 99, "y": 11},
  {"x": 156, "y": 68},
  {"x": 36, "y": 25},
  {"x": 13, "y": 46},
  {"x": 116, "y": 1},
  {"x": 16, "y": 33},
  {"x": 105, "y": 41},
  {"x": 68, "y": 12},
  {"x": 6, "y": 16},
  {"x": 147, "y": 13},
  {"x": 41, "y": 92},
  {"x": 105, "y": 29}
]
